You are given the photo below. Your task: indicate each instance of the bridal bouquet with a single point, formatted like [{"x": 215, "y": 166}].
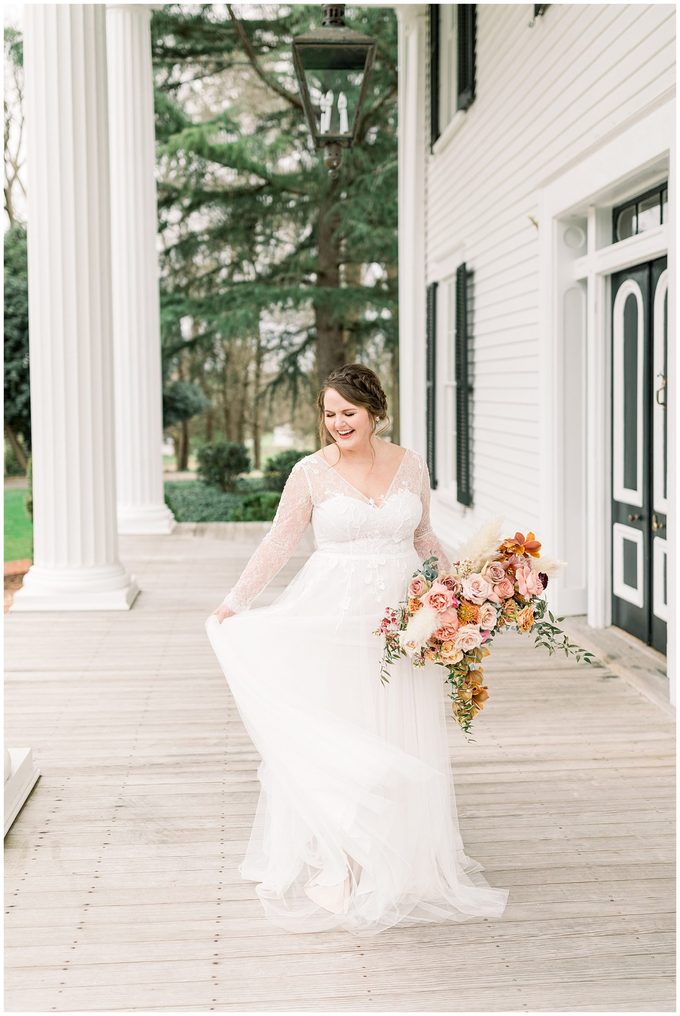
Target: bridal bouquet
[{"x": 451, "y": 617}]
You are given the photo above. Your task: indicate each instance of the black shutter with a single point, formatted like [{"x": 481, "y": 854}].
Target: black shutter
[
  {"x": 463, "y": 385},
  {"x": 431, "y": 381},
  {"x": 467, "y": 33},
  {"x": 434, "y": 72}
]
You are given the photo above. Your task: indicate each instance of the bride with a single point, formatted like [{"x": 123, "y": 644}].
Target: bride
[{"x": 356, "y": 824}]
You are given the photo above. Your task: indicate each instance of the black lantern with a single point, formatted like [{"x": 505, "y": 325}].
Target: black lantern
[{"x": 332, "y": 64}]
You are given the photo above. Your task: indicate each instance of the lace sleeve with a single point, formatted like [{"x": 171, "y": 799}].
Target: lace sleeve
[
  {"x": 292, "y": 516},
  {"x": 424, "y": 538}
]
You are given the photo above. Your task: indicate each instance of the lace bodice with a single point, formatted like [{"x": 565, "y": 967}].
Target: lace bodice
[{"x": 342, "y": 517}]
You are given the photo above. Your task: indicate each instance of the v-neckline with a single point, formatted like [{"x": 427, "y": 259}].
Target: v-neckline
[{"x": 370, "y": 500}]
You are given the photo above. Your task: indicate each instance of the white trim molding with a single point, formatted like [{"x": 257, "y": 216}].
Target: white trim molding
[{"x": 639, "y": 155}]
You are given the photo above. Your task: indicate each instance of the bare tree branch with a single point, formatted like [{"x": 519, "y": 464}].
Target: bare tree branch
[{"x": 290, "y": 97}]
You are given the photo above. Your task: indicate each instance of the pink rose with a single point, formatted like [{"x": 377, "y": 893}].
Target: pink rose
[
  {"x": 493, "y": 572},
  {"x": 451, "y": 582},
  {"x": 467, "y": 637},
  {"x": 447, "y": 631},
  {"x": 528, "y": 581},
  {"x": 417, "y": 586},
  {"x": 487, "y": 616},
  {"x": 438, "y": 597},
  {"x": 504, "y": 589},
  {"x": 476, "y": 588},
  {"x": 450, "y": 615}
]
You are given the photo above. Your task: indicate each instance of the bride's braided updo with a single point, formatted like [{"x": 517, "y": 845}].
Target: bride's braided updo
[{"x": 360, "y": 386}]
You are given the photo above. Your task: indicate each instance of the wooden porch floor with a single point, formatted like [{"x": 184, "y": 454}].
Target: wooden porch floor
[{"x": 121, "y": 885}]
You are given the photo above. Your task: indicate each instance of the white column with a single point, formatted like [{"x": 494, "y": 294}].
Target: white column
[
  {"x": 76, "y": 564},
  {"x": 412, "y": 280},
  {"x": 136, "y": 315}
]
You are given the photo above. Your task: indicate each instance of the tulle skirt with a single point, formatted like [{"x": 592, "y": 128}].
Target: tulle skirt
[{"x": 356, "y": 824}]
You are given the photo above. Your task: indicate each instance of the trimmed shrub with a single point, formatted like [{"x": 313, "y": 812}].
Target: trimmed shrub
[
  {"x": 256, "y": 507},
  {"x": 192, "y": 501},
  {"x": 219, "y": 464},
  {"x": 277, "y": 468}
]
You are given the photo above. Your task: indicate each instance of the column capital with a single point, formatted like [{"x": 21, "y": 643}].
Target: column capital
[{"x": 408, "y": 13}]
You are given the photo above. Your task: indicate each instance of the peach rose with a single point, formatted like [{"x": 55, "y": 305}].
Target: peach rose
[
  {"x": 449, "y": 616},
  {"x": 528, "y": 581},
  {"x": 418, "y": 586},
  {"x": 476, "y": 588},
  {"x": 510, "y": 608},
  {"x": 487, "y": 616},
  {"x": 414, "y": 604},
  {"x": 438, "y": 597},
  {"x": 525, "y": 618},
  {"x": 447, "y": 631},
  {"x": 449, "y": 653},
  {"x": 468, "y": 637},
  {"x": 504, "y": 589}
]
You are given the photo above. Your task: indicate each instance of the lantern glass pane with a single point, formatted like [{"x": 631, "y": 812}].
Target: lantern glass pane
[{"x": 334, "y": 79}]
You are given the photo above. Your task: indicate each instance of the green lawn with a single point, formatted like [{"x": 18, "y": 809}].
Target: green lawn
[
  {"x": 18, "y": 527},
  {"x": 190, "y": 501}
]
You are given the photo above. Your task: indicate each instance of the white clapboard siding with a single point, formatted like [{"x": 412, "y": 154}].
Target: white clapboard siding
[{"x": 545, "y": 97}]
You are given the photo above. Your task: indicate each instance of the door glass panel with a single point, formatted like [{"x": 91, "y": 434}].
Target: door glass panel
[
  {"x": 630, "y": 392},
  {"x": 625, "y": 223},
  {"x": 649, "y": 213},
  {"x": 630, "y": 576},
  {"x": 665, "y": 578}
]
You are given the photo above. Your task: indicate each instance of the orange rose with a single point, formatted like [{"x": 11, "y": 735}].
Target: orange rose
[{"x": 525, "y": 618}]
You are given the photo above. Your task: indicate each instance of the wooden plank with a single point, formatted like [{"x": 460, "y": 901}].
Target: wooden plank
[{"x": 122, "y": 889}]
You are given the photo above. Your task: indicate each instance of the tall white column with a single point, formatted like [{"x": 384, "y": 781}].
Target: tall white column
[
  {"x": 412, "y": 184},
  {"x": 136, "y": 315},
  {"x": 76, "y": 564}
]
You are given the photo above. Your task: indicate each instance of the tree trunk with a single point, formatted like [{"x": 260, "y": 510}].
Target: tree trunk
[
  {"x": 183, "y": 457},
  {"x": 256, "y": 410},
  {"x": 182, "y": 441},
  {"x": 226, "y": 401},
  {"x": 330, "y": 348},
  {"x": 351, "y": 276},
  {"x": 17, "y": 447}
]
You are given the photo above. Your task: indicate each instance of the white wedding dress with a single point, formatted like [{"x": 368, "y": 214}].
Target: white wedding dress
[{"x": 356, "y": 824}]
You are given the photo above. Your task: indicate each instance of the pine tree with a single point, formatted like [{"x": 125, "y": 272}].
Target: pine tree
[{"x": 255, "y": 229}]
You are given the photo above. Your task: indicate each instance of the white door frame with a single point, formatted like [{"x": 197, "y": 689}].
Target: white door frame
[{"x": 576, "y": 261}]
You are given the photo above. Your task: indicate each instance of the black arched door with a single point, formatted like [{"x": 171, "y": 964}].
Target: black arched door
[{"x": 639, "y": 451}]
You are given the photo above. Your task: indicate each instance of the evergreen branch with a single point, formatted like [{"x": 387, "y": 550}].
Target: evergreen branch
[
  {"x": 370, "y": 114},
  {"x": 292, "y": 99}
]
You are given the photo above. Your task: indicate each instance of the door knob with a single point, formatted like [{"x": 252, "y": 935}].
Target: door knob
[
  {"x": 656, "y": 525},
  {"x": 634, "y": 517}
]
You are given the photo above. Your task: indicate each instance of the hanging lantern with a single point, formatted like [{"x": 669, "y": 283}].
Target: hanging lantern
[{"x": 332, "y": 64}]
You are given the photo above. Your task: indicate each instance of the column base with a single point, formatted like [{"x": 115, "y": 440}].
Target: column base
[
  {"x": 106, "y": 588},
  {"x": 145, "y": 519},
  {"x": 21, "y": 775}
]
